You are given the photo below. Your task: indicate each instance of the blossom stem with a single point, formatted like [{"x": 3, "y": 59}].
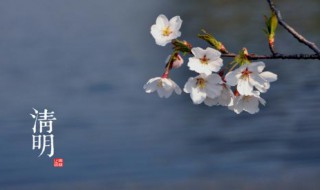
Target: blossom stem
[
  {"x": 231, "y": 63},
  {"x": 235, "y": 64},
  {"x": 169, "y": 64}
]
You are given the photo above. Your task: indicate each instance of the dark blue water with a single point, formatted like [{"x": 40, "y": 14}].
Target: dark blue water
[{"x": 88, "y": 61}]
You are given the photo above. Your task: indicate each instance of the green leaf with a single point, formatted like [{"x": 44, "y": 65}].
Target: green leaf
[{"x": 273, "y": 24}]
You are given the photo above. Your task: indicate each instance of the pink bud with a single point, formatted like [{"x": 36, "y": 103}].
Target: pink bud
[{"x": 178, "y": 61}]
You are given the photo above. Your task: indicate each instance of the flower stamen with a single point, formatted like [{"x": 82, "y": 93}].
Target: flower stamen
[
  {"x": 245, "y": 74},
  {"x": 160, "y": 84},
  {"x": 201, "y": 83},
  {"x": 204, "y": 60},
  {"x": 166, "y": 31},
  {"x": 246, "y": 98}
]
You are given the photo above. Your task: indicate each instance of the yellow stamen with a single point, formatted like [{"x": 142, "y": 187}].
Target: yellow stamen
[
  {"x": 166, "y": 31},
  {"x": 245, "y": 74},
  {"x": 246, "y": 98},
  {"x": 160, "y": 84},
  {"x": 201, "y": 83},
  {"x": 204, "y": 60}
]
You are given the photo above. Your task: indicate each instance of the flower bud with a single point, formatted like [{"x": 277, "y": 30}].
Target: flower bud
[
  {"x": 177, "y": 61},
  {"x": 213, "y": 41},
  {"x": 271, "y": 27},
  {"x": 182, "y": 46}
]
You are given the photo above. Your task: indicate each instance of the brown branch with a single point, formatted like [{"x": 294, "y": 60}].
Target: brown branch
[
  {"x": 276, "y": 56},
  {"x": 292, "y": 31}
]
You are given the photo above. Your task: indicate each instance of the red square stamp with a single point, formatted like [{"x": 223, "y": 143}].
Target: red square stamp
[{"x": 58, "y": 162}]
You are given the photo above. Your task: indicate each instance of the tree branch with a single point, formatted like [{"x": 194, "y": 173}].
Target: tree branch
[
  {"x": 292, "y": 31},
  {"x": 276, "y": 56}
]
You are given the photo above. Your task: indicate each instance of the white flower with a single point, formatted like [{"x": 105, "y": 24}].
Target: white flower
[
  {"x": 225, "y": 99},
  {"x": 248, "y": 103},
  {"x": 205, "y": 61},
  {"x": 165, "y": 31},
  {"x": 203, "y": 86},
  {"x": 163, "y": 86},
  {"x": 248, "y": 76},
  {"x": 178, "y": 61}
]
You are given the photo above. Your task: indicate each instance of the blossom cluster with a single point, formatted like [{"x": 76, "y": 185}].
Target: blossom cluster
[{"x": 237, "y": 89}]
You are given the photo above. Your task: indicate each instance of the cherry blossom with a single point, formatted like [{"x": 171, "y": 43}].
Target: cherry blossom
[
  {"x": 248, "y": 103},
  {"x": 250, "y": 75},
  {"x": 205, "y": 61},
  {"x": 164, "y": 31},
  {"x": 203, "y": 86},
  {"x": 225, "y": 99},
  {"x": 164, "y": 87}
]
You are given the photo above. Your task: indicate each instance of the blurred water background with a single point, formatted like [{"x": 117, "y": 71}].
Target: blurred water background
[{"x": 88, "y": 60}]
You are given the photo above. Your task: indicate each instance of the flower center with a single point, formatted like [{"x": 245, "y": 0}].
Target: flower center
[
  {"x": 201, "y": 83},
  {"x": 246, "y": 98},
  {"x": 204, "y": 60},
  {"x": 160, "y": 85},
  {"x": 166, "y": 31},
  {"x": 245, "y": 74}
]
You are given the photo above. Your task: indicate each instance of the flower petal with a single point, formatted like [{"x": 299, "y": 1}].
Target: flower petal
[
  {"x": 162, "y": 41},
  {"x": 226, "y": 97},
  {"x": 213, "y": 91},
  {"x": 251, "y": 105},
  {"x": 214, "y": 79},
  {"x": 151, "y": 85},
  {"x": 197, "y": 95},
  {"x": 262, "y": 101},
  {"x": 162, "y": 21},
  {"x": 244, "y": 87},
  {"x": 175, "y": 23},
  {"x": 256, "y": 66},
  {"x": 198, "y": 52},
  {"x": 260, "y": 83},
  {"x": 269, "y": 76},
  {"x": 167, "y": 84},
  {"x": 238, "y": 105},
  {"x": 233, "y": 77},
  {"x": 256, "y": 80},
  {"x": 264, "y": 88},
  {"x": 176, "y": 88},
  {"x": 211, "y": 101},
  {"x": 215, "y": 65},
  {"x": 212, "y": 53},
  {"x": 164, "y": 93},
  {"x": 191, "y": 83},
  {"x": 194, "y": 64}
]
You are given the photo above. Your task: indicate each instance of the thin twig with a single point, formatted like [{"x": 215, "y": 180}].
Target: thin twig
[
  {"x": 276, "y": 56},
  {"x": 292, "y": 31},
  {"x": 271, "y": 47}
]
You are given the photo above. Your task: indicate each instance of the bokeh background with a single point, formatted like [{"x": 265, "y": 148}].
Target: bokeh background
[{"x": 88, "y": 60}]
